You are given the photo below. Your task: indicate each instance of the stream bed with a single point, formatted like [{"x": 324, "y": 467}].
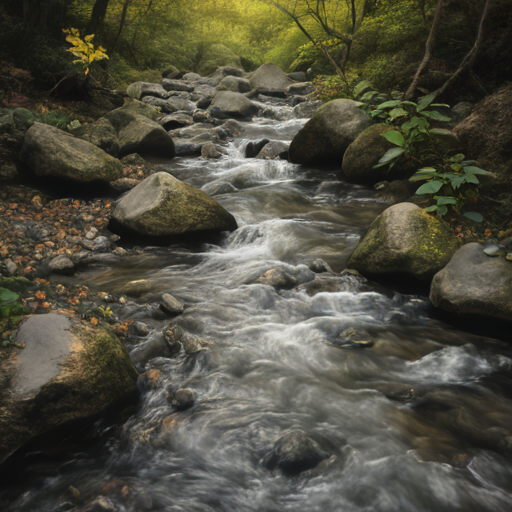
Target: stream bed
[{"x": 420, "y": 419}]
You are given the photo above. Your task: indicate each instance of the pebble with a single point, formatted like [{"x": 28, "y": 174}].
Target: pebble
[
  {"x": 137, "y": 288},
  {"x": 141, "y": 328},
  {"x": 101, "y": 244},
  {"x": 61, "y": 264},
  {"x": 91, "y": 234},
  {"x": 183, "y": 399},
  {"x": 171, "y": 304},
  {"x": 12, "y": 268},
  {"x": 119, "y": 251},
  {"x": 319, "y": 266}
]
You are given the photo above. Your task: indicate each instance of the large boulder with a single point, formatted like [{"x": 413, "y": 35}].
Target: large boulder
[
  {"x": 65, "y": 371},
  {"x": 164, "y": 206},
  {"x": 235, "y": 84},
  {"x": 364, "y": 153},
  {"x": 52, "y": 152},
  {"x": 138, "y": 90},
  {"x": 102, "y": 134},
  {"x": 474, "y": 283},
  {"x": 270, "y": 80},
  {"x": 176, "y": 85},
  {"x": 405, "y": 239},
  {"x": 327, "y": 135},
  {"x": 234, "y": 104},
  {"x": 138, "y": 133}
]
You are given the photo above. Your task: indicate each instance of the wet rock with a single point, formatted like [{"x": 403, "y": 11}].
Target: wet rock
[
  {"x": 137, "y": 288},
  {"x": 235, "y": 84},
  {"x": 138, "y": 90},
  {"x": 183, "y": 399},
  {"x": 233, "y": 104},
  {"x": 52, "y": 152},
  {"x": 149, "y": 380},
  {"x": 171, "y": 304},
  {"x": 253, "y": 148},
  {"x": 396, "y": 391},
  {"x": 274, "y": 149},
  {"x": 300, "y": 89},
  {"x": 201, "y": 116},
  {"x": 141, "y": 328},
  {"x": 175, "y": 121},
  {"x": 153, "y": 346},
  {"x": 277, "y": 278},
  {"x": 102, "y": 244},
  {"x": 365, "y": 152},
  {"x": 219, "y": 187},
  {"x": 61, "y": 264},
  {"x": 474, "y": 283},
  {"x": 66, "y": 371},
  {"x": 188, "y": 149},
  {"x": 293, "y": 453},
  {"x": 174, "y": 336},
  {"x": 210, "y": 151},
  {"x": 327, "y": 135},
  {"x": 306, "y": 109},
  {"x": 405, "y": 239},
  {"x": 163, "y": 206},
  {"x": 270, "y": 80},
  {"x": 333, "y": 188},
  {"x": 353, "y": 338},
  {"x": 100, "y": 504},
  {"x": 319, "y": 266},
  {"x": 176, "y": 85}
]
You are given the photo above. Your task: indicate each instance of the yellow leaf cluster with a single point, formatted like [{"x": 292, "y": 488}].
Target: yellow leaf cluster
[{"x": 84, "y": 49}]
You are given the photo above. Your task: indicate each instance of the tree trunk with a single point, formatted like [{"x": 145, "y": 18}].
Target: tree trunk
[
  {"x": 121, "y": 24},
  {"x": 468, "y": 61},
  {"x": 431, "y": 42},
  {"x": 99, "y": 12}
]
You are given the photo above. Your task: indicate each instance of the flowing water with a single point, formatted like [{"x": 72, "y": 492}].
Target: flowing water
[{"x": 420, "y": 421}]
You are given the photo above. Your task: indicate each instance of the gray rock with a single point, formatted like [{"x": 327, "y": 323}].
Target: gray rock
[
  {"x": 61, "y": 264},
  {"x": 234, "y": 104},
  {"x": 274, "y": 149},
  {"x": 219, "y": 187},
  {"x": 175, "y": 337},
  {"x": 171, "y": 304},
  {"x": 141, "y": 328},
  {"x": 66, "y": 371},
  {"x": 174, "y": 121},
  {"x": 270, "y": 80},
  {"x": 253, "y": 148},
  {"x": 52, "y": 152},
  {"x": 327, "y": 135},
  {"x": 102, "y": 244},
  {"x": 293, "y": 453},
  {"x": 102, "y": 134},
  {"x": 191, "y": 77},
  {"x": 140, "y": 89},
  {"x": 306, "y": 109},
  {"x": 201, "y": 116},
  {"x": 475, "y": 284},
  {"x": 405, "y": 239},
  {"x": 300, "y": 89},
  {"x": 298, "y": 76},
  {"x": 163, "y": 206},
  {"x": 278, "y": 279},
  {"x": 176, "y": 85},
  {"x": 235, "y": 84},
  {"x": 319, "y": 266},
  {"x": 203, "y": 92},
  {"x": 188, "y": 149},
  {"x": 210, "y": 151}
]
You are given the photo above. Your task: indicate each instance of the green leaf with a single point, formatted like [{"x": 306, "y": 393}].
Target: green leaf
[
  {"x": 389, "y": 156},
  {"x": 440, "y": 105},
  {"x": 436, "y": 116},
  {"x": 397, "y": 112},
  {"x": 477, "y": 217},
  {"x": 362, "y": 86},
  {"x": 6, "y": 296},
  {"x": 446, "y": 200},
  {"x": 442, "y": 210},
  {"x": 471, "y": 178},
  {"x": 395, "y": 137},
  {"x": 425, "y": 101},
  {"x": 456, "y": 167},
  {"x": 440, "y": 131},
  {"x": 424, "y": 174},
  {"x": 457, "y": 182},
  {"x": 476, "y": 170},
  {"x": 430, "y": 188},
  {"x": 412, "y": 123},
  {"x": 389, "y": 104},
  {"x": 431, "y": 209},
  {"x": 367, "y": 96}
]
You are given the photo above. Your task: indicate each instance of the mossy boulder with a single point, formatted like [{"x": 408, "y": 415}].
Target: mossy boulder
[
  {"x": 474, "y": 284},
  {"x": 364, "y": 153},
  {"x": 164, "y": 206},
  {"x": 65, "y": 371},
  {"x": 102, "y": 134},
  {"x": 235, "y": 84},
  {"x": 234, "y": 104},
  {"x": 405, "y": 239},
  {"x": 52, "y": 152},
  {"x": 327, "y": 135},
  {"x": 138, "y": 90}
]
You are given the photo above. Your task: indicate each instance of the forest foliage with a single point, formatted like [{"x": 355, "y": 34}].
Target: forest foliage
[{"x": 378, "y": 40}]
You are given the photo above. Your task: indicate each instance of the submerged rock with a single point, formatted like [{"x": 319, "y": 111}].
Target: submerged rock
[
  {"x": 405, "y": 239},
  {"x": 183, "y": 399},
  {"x": 164, "y": 206},
  {"x": 66, "y": 371},
  {"x": 327, "y": 135},
  {"x": 474, "y": 283},
  {"x": 278, "y": 279},
  {"x": 52, "y": 152},
  {"x": 293, "y": 453}
]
